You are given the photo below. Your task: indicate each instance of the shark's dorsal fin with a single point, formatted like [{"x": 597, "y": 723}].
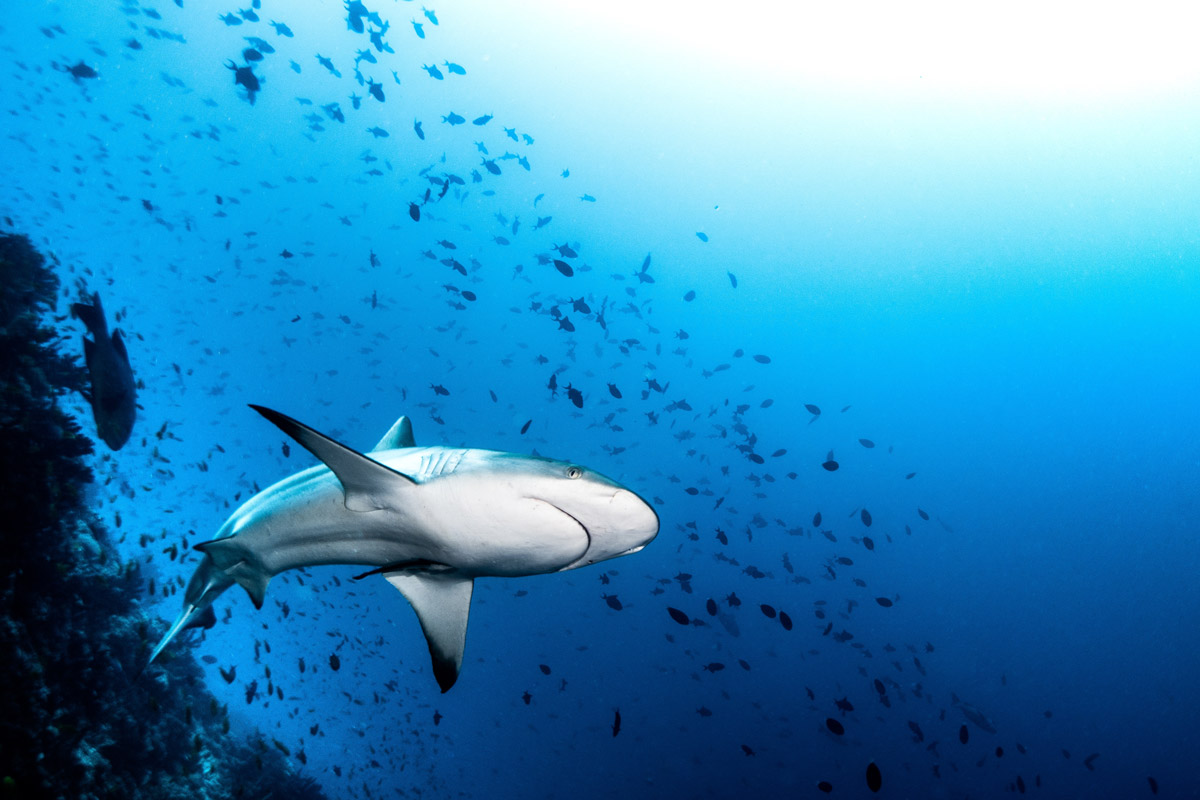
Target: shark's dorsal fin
[
  {"x": 442, "y": 601},
  {"x": 367, "y": 484},
  {"x": 399, "y": 435}
]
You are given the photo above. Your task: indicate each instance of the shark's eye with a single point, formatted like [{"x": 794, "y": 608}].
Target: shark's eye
[{"x": 574, "y": 472}]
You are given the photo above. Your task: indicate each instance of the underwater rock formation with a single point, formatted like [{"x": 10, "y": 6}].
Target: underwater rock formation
[{"x": 76, "y": 722}]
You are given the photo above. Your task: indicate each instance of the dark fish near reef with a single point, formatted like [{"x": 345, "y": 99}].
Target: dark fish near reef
[{"x": 113, "y": 398}]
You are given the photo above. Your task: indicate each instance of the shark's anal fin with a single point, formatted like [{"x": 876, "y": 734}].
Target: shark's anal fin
[
  {"x": 399, "y": 435},
  {"x": 367, "y": 484},
  {"x": 442, "y": 601}
]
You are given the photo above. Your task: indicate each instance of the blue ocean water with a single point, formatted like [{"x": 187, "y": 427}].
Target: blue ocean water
[{"x": 989, "y": 293}]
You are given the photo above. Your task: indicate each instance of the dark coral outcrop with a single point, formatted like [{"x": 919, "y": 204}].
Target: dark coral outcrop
[{"x": 74, "y": 720}]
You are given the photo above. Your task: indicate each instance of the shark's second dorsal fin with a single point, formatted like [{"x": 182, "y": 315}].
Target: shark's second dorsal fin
[
  {"x": 442, "y": 601},
  {"x": 367, "y": 484},
  {"x": 399, "y": 435}
]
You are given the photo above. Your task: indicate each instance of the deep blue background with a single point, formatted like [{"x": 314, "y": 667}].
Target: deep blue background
[{"x": 1003, "y": 290}]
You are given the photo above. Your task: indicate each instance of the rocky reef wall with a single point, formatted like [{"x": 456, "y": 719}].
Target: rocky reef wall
[{"x": 76, "y": 720}]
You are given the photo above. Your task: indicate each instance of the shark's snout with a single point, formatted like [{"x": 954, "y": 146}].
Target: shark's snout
[
  {"x": 625, "y": 524},
  {"x": 640, "y": 517}
]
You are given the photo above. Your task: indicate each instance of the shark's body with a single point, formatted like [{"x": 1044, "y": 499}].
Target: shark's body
[{"x": 429, "y": 519}]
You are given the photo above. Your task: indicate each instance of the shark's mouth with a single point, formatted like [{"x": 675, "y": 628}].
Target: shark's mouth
[{"x": 583, "y": 559}]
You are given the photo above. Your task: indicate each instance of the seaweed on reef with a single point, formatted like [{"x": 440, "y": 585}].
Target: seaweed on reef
[{"x": 73, "y": 721}]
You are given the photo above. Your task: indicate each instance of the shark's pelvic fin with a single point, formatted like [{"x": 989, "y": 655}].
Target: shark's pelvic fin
[
  {"x": 367, "y": 484},
  {"x": 399, "y": 435},
  {"x": 442, "y": 601},
  {"x": 229, "y": 556}
]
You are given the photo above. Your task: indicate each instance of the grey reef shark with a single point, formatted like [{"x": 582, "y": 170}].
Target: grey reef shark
[{"x": 430, "y": 520}]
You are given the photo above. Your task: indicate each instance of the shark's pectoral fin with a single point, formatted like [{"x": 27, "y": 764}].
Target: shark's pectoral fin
[
  {"x": 399, "y": 435},
  {"x": 442, "y": 601},
  {"x": 367, "y": 484}
]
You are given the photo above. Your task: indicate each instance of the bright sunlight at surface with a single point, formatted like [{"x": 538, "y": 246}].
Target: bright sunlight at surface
[{"x": 1020, "y": 47}]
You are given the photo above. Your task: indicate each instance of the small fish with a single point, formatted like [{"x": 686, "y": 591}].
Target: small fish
[
  {"x": 616, "y": 726},
  {"x": 335, "y": 663},
  {"x": 433, "y": 71},
  {"x": 575, "y": 396},
  {"x": 874, "y": 777},
  {"x": 835, "y": 727},
  {"x": 615, "y": 604},
  {"x": 678, "y": 616},
  {"x": 245, "y": 77},
  {"x": 453, "y": 68}
]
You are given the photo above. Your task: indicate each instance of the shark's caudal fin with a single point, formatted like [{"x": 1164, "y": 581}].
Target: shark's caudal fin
[
  {"x": 180, "y": 623},
  {"x": 399, "y": 435},
  {"x": 367, "y": 484},
  {"x": 442, "y": 601}
]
